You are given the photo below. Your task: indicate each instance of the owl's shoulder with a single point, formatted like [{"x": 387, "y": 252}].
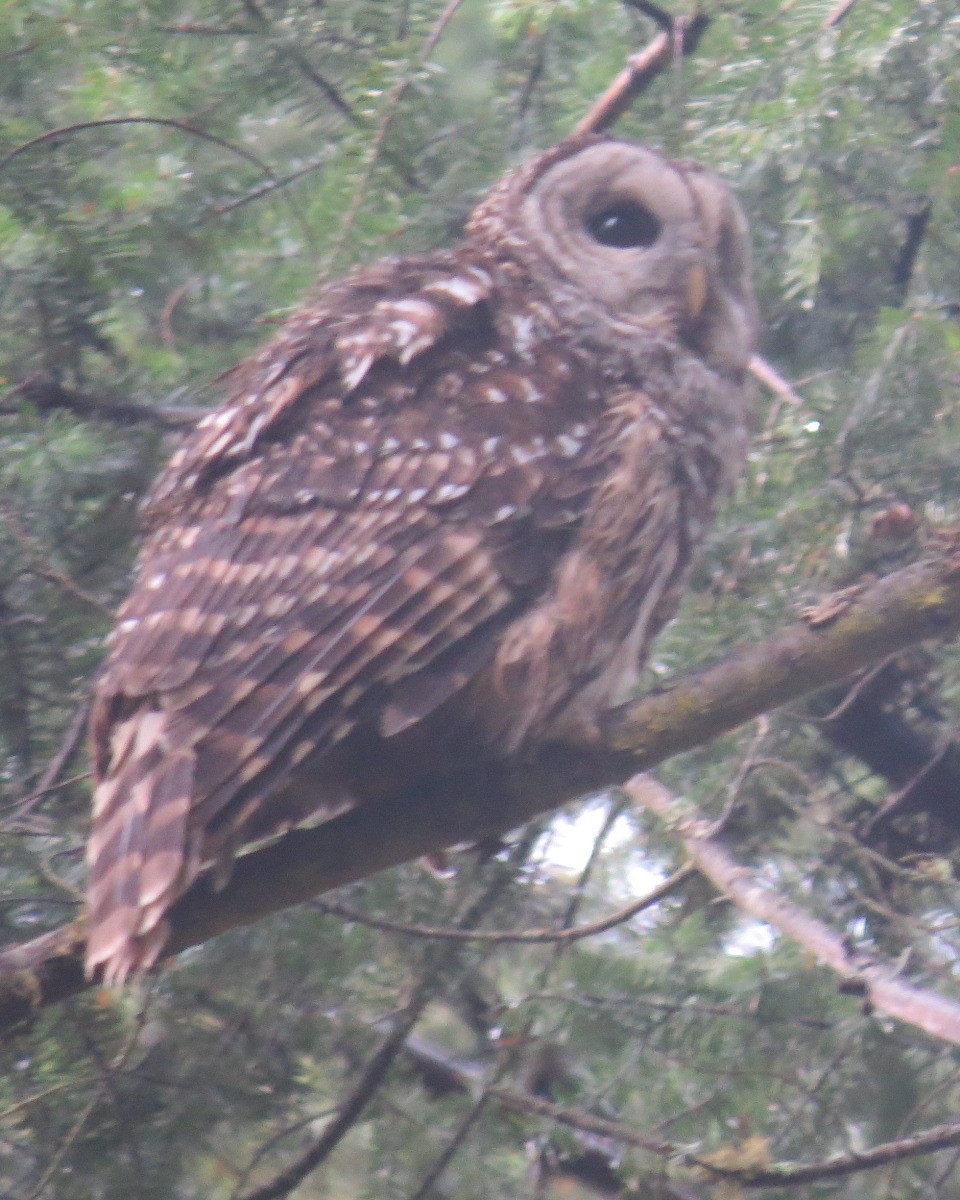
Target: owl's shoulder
[{"x": 446, "y": 353}]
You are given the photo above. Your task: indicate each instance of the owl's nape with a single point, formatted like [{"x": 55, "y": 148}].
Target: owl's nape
[{"x": 439, "y": 522}]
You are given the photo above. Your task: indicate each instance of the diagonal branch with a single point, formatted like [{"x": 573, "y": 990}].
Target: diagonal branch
[
  {"x": 436, "y": 962},
  {"x": 437, "y": 1066},
  {"x": 642, "y": 69},
  {"x": 909, "y": 606},
  {"x": 352, "y": 1106},
  {"x": 865, "y": 976}
]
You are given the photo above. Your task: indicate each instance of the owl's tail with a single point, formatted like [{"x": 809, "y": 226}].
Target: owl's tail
[{"x": 139, "y": 854}]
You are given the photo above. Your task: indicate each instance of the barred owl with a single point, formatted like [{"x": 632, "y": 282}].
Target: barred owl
[{"x": 436, "y": 525}]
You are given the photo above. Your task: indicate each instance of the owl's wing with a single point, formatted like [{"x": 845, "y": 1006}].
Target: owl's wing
[{"x": 341, "y": 543}]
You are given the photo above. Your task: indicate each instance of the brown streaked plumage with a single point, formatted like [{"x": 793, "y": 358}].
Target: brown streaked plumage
[{"x": 438, "y": 522}]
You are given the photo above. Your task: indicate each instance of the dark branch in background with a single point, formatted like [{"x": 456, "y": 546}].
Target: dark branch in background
[
  {"x": 332, "y": 93},
  {"x": 305, "y": 67},
  {"x": 838, "y": 14},
  {"x": 442, "y": 1073},
  {"x": 916, "y": 223},
  {"x": 45, "y": 394},
  {"x": 436, "y": 965},
  {"x": 352, "y": 1106},
  {"x": 658, "y": 15},
  {"x": 196, "y": 30},
  {"x": 909, "y": 606},
  {"x": 864, "y": 719}
]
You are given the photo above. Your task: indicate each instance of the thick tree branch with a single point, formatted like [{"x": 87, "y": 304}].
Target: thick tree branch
[{"x": 909, "y": 606}]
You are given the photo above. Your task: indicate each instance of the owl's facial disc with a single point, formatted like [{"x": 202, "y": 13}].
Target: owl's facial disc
[
  {"x": 618, "y": 222},
  {"x": 658, "y": 243}
]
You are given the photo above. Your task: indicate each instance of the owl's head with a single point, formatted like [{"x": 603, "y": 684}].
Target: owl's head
[{"x": 631, "y": 242}]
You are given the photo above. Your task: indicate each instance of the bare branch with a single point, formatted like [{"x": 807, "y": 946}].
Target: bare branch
[
  {"x": 939, "y": 1137},
  {"x": 641, "y": 70},
  {"x": 771, "y": 378},
  {"x": 466, "y": 1076},
  {"x": 875, "y": 981}
]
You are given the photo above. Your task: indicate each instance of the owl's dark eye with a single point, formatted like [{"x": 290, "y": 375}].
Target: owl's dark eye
[{"x": 624, "y": 224}]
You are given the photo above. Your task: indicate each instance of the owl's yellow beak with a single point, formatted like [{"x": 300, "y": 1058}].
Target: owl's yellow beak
[{"x": 697, "y": 288}]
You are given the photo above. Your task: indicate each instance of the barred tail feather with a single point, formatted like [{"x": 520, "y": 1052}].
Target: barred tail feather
[{"x": 138, "y": 853}]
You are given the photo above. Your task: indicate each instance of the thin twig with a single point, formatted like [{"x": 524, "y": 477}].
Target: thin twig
[
  {"x": 53, "y": 135},
  {"x": 265, "y": 189},
  {"x": 834, "y": 18},
  {"x": 497, "y": 936},
  {"x": 305, "y": 67},
  {"x": 34, "y": 563},
  {"x": 390, "y": 107},
  {"x": 782, "y": 389},
  {"x": 49, "y": 779}
]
